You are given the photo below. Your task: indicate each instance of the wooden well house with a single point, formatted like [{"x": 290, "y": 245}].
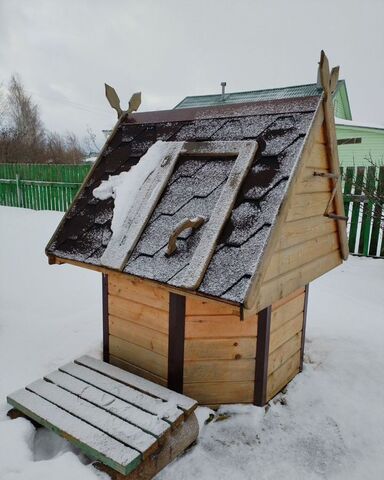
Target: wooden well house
[{"x": 205, "y": 282}]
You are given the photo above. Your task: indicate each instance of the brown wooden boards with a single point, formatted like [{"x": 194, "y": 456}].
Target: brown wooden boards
[
  {"x": 123, "y": 422},
  {"x": 176, "y": 342},
  {"x": 304, "y": 327},
  {"x": 286, "y": 340},
  {"x": 138, "y": 313},
  {"x": 105, "y": 318},
  {"x": 218, "y": 393},
  {"x": 328, "y": 82},
  {"x": 139, "y": 291},
  {"x": 139, "y": 356},
  {"x": 262, "y": 353}
]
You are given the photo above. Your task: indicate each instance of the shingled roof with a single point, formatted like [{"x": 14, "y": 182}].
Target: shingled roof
[{"x": 192, "y": 190}]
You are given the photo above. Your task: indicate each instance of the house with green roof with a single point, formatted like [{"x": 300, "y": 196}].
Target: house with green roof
[{"x": 359, "y": 143}]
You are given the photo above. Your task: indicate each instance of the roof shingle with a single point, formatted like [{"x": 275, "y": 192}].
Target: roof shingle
[{"x": 193, "y": 190}]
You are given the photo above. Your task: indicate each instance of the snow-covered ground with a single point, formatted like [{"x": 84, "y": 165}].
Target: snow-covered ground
[{"x": 328, "y": 425}]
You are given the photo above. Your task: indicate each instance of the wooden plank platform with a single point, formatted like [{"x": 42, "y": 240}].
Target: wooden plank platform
[{"x": 114, "y": 417}]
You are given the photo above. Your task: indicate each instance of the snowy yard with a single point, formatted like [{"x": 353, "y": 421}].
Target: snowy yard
[{"x": 328, "y": 425}]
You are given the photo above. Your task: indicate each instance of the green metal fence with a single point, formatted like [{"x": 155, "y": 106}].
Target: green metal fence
[
  {"x": 40, "y": 187},
  {"x": 365, "y": 216}
]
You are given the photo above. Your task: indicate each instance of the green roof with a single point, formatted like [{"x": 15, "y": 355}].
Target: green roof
[{"x": 294, "y": 91}]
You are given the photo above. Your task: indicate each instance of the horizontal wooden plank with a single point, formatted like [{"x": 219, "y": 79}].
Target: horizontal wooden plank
[
  {"x": 143, "y": 358},
  {"x": 139, "y": 335},
  {"x": 124, "y": 392},
  {"x": 287, "y": 311},
  {"x": 285, "y": 332},
  {"x": 306, "y": 205},
  {"x": 283, "y": 375},
  {"x": 293, "y": 257},
  {"x": 94, "y": 443},
  {"x": 220, "y": 348},
  {"x": 225, "y": 370},
  {"x": 136, "y": 416},
  {"x": 318, "y": 157},
  {"x": 138, "y": 313},
  {"x": 119, "y": 362},
  {"x": 204, "y": 306},
  {"x": 220, "y": 392},
  {"x": 282, "y": 301},
  {"x": 310, "y": 183},
  {"x": 139, "y": 383},
  {"x": 284, "y": 352},
  {"x": 302, "y": 230},
  {"x": 281, "y": 286},
  {"x": 220, "y": 326},
  {"x": 122, "y": 431},
  {"x": 139, "y": 291}
]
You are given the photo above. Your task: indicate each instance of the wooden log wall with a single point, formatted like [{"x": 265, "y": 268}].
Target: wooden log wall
[
  {"x": 219, "y": 346},
  {"x": 138, "y": 327},
  {"x": 220, "y": 351},
  {"x": 285, "y": 341},
  {"x": 308, "y": 243}
]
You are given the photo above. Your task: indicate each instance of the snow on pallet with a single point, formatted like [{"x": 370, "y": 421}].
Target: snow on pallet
[{"x": 115, "y": 417}]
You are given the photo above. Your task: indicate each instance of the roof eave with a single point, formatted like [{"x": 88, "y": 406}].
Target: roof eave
[{"x": 56, "y": 260}]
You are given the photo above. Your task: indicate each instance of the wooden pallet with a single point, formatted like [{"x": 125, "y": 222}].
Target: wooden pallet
[{"x": 131, "y": 426}]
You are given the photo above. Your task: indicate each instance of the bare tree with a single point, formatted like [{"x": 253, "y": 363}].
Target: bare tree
[
  {"x": 23, "y": 137},
  {"x": 90, "y": 141}
]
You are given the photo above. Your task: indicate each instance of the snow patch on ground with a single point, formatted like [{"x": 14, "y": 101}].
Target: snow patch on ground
[
  {"x": 123, "y": 188},
  {"x": 48, "y": 316},
  {"x": 327, "y": 425}
]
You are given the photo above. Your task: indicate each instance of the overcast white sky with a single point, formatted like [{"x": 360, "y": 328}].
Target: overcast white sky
[{"x": 65, "y": 50}]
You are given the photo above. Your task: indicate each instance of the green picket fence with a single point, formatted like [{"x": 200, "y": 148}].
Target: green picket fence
[
  {"x": 40, "y": 187},
  {"x": 365, "y": 228}
]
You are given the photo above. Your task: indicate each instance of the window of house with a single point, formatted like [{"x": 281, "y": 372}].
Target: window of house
[{"x": 348, "y": 141}]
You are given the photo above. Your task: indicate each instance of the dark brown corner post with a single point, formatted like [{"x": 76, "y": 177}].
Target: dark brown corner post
[
  {"x": 306, "y": 291},
  {"x": 262, "y": 353},
  {"x": 176, "y": 342},
  {"x": 105, "y": 319}
]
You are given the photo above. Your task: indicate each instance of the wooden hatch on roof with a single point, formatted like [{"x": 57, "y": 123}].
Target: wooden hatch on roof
[{"x": 221, "y": 316}]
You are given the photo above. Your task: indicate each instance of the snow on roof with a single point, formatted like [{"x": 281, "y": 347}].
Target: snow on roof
[
  {"x": 123, "y": 188},
  {"x": 356, "y": 123}
]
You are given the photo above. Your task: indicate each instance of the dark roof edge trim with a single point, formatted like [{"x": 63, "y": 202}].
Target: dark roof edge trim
[
  {"x": 266, "y": 107},
  {"x": 60, "y": 260}
]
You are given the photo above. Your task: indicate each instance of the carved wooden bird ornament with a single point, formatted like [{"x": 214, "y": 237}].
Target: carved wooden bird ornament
[{"x": 114, "y": 101}]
